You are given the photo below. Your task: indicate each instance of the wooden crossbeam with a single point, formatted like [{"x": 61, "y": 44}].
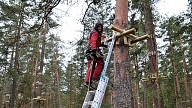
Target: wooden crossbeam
[
  {"x": 39, "y": 98},
  {"x": 124, "y": 33},
  {"x": 132, "y": 36},
  {"x": 153, "y": 77},
  {"x": 140, "y": 38},
  {"x": 115, "y": 29},
  {"x": 128, "y": 34}
]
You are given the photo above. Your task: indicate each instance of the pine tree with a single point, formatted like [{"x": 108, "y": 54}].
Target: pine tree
[{"x": 26, "y": 36}]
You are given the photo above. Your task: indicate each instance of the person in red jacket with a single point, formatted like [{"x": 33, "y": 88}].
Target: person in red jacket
[{"x": 95, "y": 60}]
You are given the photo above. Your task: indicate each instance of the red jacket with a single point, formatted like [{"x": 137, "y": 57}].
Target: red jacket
[{"x": 94, "y": 40}]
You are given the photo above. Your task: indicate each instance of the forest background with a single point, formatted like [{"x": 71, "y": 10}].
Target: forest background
[{"x": 38, "y": 69}]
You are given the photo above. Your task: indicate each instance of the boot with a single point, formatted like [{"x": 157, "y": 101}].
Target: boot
[{"x": 89, "y": 86}]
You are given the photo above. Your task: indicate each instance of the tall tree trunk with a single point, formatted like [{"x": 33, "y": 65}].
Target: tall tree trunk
[
  {"x": 42, "y": 58},
  {"x": 50, "y": 95},
  {"x": 190, "y": 8},
  {"x": 145, "y": 95},
  {"x": 41, "y": 64},
  {"x": 70, "y": 88},
  {"x": 3, "y": 84},
  {"x": 152, "y": 52},
  {"x": 34, "y": 79},
  {"x": 137, "y": 82},
  {"x": 16, "y": 62},
  {"x": 134, "y": 89},
  {"x": 144, "y": 86},
  {"x": 8, "y": 93},
  {"x": 185, "y": 74},
  {"x": 35, "y": 66},
  {"x": 8, "y": 89},
  {"x": 2, "y": 87},
  {"x": 57, "y": 78},
  {"x": 122, "y": 76},
  {"x": 178, "y": 96}
]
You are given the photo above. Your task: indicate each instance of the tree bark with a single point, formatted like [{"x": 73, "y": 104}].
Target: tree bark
[
  {"x": 190, "y": 8},
  {"x": 122, "y": 77},
  {"x": 57, "y": 78},
  {"x": 137, "y": 82},
  {"x": 16, "y": 62},
  {"x": 185, "y": 73},
  {"x": 152, "y": 52},
  {"x": 34, "y": 80},
  {"x": 144, "y": 86},
  {"x": 145, "y": 95},
  {"x": 177, "y": 85}
]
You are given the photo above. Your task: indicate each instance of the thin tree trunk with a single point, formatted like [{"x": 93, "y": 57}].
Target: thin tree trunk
[
  {"x": 2, "y": 88},
  {"x": 185, "y": 74},
  {"x": 41, "y": 67},
  {"x": 134, "y": 89},
  {"x": 122, "y": 76},
  {"x": 42, "y": 57},
  {"x": 137, "y": 82},
  {"x": 178, "y": 91},
  {"x": 8, "y": 94},
  {"x": 47, "y": 101},
  {"x": 144, "y": 88},
  {"x": 34, "y": 80},
  {"x": 145, "y": 95},
  {"x": 111, "y": 95},
  {"x": 8, "y": 91},
  {"x": 70, "y": 88},
  {"x": 57, "y": 78},
  {"x": 178, "y": 96},
  {"x": 16, "y": 64},
  {"x": 175, "y": 87},
  {"x": 190, "y": 8},
  {"x": 50, "y": 103}
]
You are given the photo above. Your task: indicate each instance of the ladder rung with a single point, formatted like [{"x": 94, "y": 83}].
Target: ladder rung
[
  {"x": 92, "y": 92},
  {"x": 89, "y": 102}
]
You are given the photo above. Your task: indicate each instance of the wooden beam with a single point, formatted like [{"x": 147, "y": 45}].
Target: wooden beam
[
  {"x": 39, "y": 98},
  {"x": 140, "y": 38},
  {"x": 125, "y": 40},
  {"x": 124, "y": 33},
  {"x": 117, "y": 41},
  {"x": 115, "y": 29},
  {"x": 132, "y": 36},
  {"x": 129, "y": 42},
  {"x": 130, "y": 31}
]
